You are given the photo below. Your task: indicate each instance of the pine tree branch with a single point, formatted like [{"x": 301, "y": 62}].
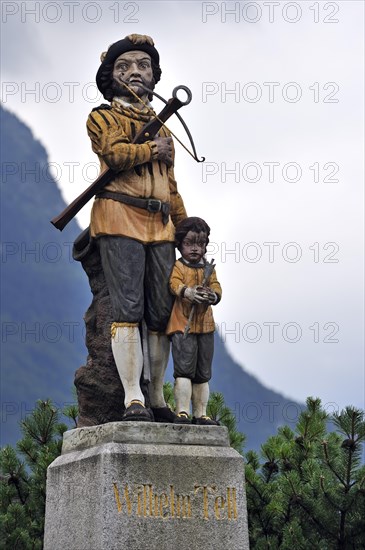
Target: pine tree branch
[
  {"x": 288, "y": 513},
  {"x": 264, "y": 525},
  {"x": 315, "y": 521},
  {"x": 22, "y": 500},
  {"x": 256, "y": 491},
  {"x": 16, "y": 542},
  {"x": 349, "y": 468},
  {"x": 342, "y": 537},
  {"x": 258, "y": 509},
  {"x": 53, "y": 413},
  {"x": 27, "y": 453},
  {"x": 270, "y": 474},
  {"x": 14, "y": 480},
  {"x": 292, "y": 532},
  {"x": 357, "y": 532},
  {"x": 330, "y": 465},
  {"x": 326, "y": 494},
  {"x": 353, "y": 426},
  {"x": 33, "y": 434},
  {"x": 308, "y": 512}
]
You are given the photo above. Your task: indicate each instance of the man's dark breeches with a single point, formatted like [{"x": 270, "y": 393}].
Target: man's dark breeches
[{"x": 137, "y": 276}]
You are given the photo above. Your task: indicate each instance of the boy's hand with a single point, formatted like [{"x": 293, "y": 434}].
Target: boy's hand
[
  {"x": 200, "y": 295},
  {"x": 196, "y": 294},
  {"x": 212, "y": 297},
  {"x": 209, "y": 295}
]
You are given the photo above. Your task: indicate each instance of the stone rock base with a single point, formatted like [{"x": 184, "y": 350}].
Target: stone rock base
[{"x": 129, "y": 485}]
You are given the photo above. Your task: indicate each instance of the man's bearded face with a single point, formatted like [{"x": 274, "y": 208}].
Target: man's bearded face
[{"x": 134, "y": 68}]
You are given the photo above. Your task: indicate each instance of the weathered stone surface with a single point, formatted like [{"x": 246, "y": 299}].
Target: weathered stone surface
[
  {"x": 144, "y": 432},
  {"x": 161, "y": 495}
]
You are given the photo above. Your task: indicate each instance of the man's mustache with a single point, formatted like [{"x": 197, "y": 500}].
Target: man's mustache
[
  {"x": 140, "y": 83},
  {"x": 121, "y": 87}
]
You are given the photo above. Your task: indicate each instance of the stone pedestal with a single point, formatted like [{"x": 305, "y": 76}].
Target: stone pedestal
[{"x": 136, "y": 486}]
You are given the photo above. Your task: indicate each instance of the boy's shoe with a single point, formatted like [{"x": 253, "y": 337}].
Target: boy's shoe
[{"x": 205, "y": 421}]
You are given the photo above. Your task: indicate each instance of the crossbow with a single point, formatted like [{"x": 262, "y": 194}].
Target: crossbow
[{"x": 146, "y": 133}]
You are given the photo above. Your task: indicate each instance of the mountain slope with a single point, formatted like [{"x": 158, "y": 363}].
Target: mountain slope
[
  {"x": 44, "y": 295},
  {"x": 41, "y": 303}
]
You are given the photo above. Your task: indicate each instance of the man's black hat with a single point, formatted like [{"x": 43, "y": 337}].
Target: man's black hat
[{"x": 131, "y": 42}]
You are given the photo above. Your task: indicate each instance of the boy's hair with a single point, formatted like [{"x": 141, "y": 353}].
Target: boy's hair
[{"x": 190, "y": 224}]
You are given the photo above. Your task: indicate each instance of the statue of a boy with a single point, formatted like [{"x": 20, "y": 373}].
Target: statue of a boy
[{"x": 193, "y": 346}]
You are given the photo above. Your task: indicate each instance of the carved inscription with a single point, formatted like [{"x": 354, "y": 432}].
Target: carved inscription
[{"x": 204, "y": 502}]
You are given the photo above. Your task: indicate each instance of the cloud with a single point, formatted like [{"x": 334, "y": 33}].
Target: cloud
[
  {"x": 23, "y": 54},
  {"x": 240, "y": 135}
]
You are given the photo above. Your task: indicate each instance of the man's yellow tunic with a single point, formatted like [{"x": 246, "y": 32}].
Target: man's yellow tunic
[{"x": 111, "y": 131}]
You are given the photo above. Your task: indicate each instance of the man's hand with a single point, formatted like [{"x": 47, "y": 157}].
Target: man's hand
[{"x": 164, "y": 148}]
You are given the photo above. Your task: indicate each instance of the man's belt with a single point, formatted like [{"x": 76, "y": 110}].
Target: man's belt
[{"x": 151, "y": 205}]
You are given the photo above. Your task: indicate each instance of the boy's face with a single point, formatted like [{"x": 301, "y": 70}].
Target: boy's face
[{"x": 193, "y": 246}]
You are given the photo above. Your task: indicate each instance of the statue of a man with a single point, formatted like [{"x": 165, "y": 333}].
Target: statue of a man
[{"x": 133, "y": 219}]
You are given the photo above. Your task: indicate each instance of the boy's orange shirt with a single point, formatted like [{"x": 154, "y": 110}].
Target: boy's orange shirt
[{"x": 184, "y": 275}]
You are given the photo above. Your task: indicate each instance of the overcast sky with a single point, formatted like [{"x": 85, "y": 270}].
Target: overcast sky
[{"x": 277, "y": 111}]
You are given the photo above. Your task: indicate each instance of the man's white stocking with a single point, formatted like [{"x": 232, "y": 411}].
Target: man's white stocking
[
  {"x": 182, "y": 393},
  {"x": 158, "y": 351},
  {"x": 127, "y": 351},
  {"x": 200, "y": 399}
]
